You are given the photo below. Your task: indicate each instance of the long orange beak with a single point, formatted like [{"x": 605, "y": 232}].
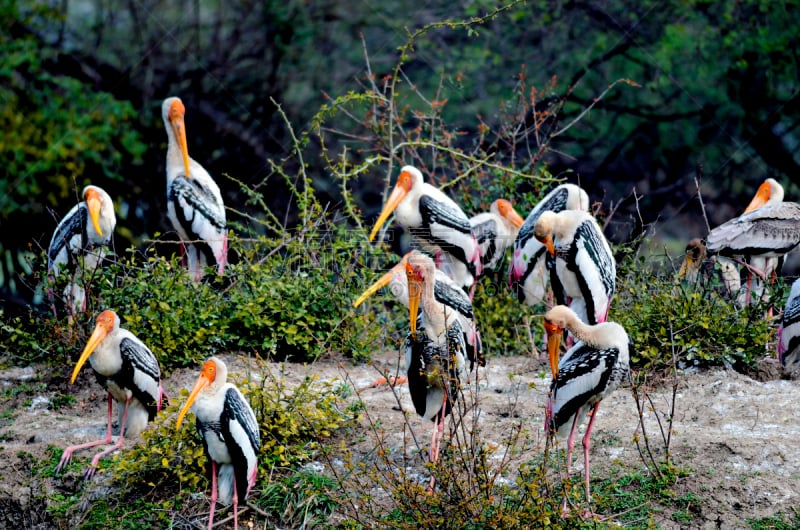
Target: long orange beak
[
  {"x": 179, "y": 127},
  {"x": 202, "y": 383},
  {"x": 548, "y": 243},
  {"x": 553, "y": 346},
  {"x": 414, "y": 295},
  {"x": 94, "y": 203},
  {"x": 508, "y": 211},
  {"x": 383, "y": 281},
  {"x": 687, "y": 262},
  {"x": 401, "y": 189},
  {"x": 99, "y": 333},
  {"x": 760, "y": 199}
]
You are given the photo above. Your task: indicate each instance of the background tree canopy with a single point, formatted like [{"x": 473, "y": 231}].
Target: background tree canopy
[{"x": 711, "y": 85}]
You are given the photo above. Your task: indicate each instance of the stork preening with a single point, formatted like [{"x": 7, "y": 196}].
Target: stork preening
[
  {"x": 130, "y": 373},
  {"x": 445, "y": 291},
  {"x": 590, "y": 370},
  {"x": 584, "y": 274},
  {"x": 789, "y": 333},
  {"x": 194, "y": 203},
  {"x": 229, "y": 430},
  {"x": 79, "y": 241},
  {"x": 435, "y": 350},
  {"x": 495, "y": 231},
  {"x": 436, "y": 224},
  {"x": 528, "y": 274}
]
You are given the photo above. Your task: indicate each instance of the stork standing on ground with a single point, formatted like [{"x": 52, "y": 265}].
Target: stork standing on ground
[
  {"x": 435, "y": 350},
  {"x": 229, "y": 430},
  {"x": 593, "y": 368},
  {"x": 78, "y": 242},
  {"x": 527, "y": 274},
  {"x": 130, "y": 373},
  {"x": 194, "y": 203},
  {"x": 584, "y": 275},
  {"x": 445, "y": 291},
  {"x": 436, "y": 223},
  {"x": 495, "y": 231},
  {"x": 789, "y": 333}
]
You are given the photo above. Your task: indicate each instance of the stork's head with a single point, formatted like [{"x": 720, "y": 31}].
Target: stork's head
[
  {"x": 212, "y": 375},
  {"x": 173, "y": 112},
  {"x": 770, "y": 192},
  {"x": 505, "y": 210},
  {"x": 408, "y": 179},
  {"x": 395, "y": 274},
  {"x": 94, "y": 201},
  {"x": 543, "y": 231},
  {"x": 106, "y": 322}
]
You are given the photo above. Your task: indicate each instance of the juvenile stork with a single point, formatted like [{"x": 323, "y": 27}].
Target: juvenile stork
[
  {"x": 789, "y": 333},
  {"x": 445, "y": 291},
  {"x": 584, "y": 274},
  {"x": 435, "y": 350},
  {"x": 436, "y": 223},
  {"x": 229, "y": 430},
  {"x": 698, "y": 268},
  {"x": 79, "y": 241},
  {"x": 129, "y": 372},
  {"x": 495, "y": 231},
  {"x": 593, "y": 368},
  {"x": 527, "y": 274},
  {"x": 194, "y": 203}
]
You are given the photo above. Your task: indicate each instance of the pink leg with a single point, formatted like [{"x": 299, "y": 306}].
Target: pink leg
[
  {"x": 223, "y": 259},
  {"x": 436, "y": 438},
  {"x": 66, "y": 456},
  {"x": 235, "y": 507},
  {"x": 96, "y": 460},
  {"x": 586, "y": 444},
  {"x": 213, "y": 494},
  {"x": 571, "y": 440}
]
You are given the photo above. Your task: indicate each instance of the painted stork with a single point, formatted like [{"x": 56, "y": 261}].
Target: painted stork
[
  {"x": 435, "y": 349},
  {"x": 495, "y": 231},
  {"x": 584, "y": 270},
  {"x": 229, "y": 430},
  {"x": 436, "y": 223},
  {"x": 129, "y": 371},
  {"x": 593, "y": 368},
  {"x": 445, "y": 291},
  {"x": 194, "y": 203},
  {"x": 698, "y": 268},
  {"x": 789, "y": 333},
  {"x": 79, "y": 241},
  {"x": 527, "y": 274}
]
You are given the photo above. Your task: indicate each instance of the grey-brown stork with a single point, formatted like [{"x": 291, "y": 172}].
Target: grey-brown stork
[
  {"x": 435, "y": 350},
  {"x": 789, "y": 333},
  {"x": 194, "y": 203},
  {"x": 590, "y": 370},
  {"x": 130, "y": 373},
  {"x": 230, "y": 434},
  {"x": 445, "y": 291},
  {"x": 436, "y": 223},
  {"x": 495, "y": 231},
  {"x": 79, "y": 241},
  {"x": 527, "y": 274},
  {"x": 763, "y": 231},
  {"x": 584, "y": 273},
  {"x": 698, "y": 268}
]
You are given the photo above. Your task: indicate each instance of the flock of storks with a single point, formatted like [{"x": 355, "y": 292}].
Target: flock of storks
[{"x": 559, "y": 243}]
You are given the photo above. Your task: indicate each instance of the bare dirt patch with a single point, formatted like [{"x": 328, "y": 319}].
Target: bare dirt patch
[{"x": 737, "y": 436}]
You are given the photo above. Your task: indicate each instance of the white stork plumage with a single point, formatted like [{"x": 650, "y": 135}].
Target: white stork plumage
[
  {"x": 230, "y": 434},
  {"x": 495, "y": 231},
  {"x": 445, "y": 291},
  {"x": 789, "y": 333},
  {"x": 79, "y": 241},
  {"x": 436, "y": 224},
  {"x": 584, "y": 273},
  {"x": 130, "y": 373},
  {"x": 527, "y": 275},
  {"x": 593, "y": 368},
  {"x": 435, "y": 349},
  {"x": 194, "y": 203},
  {"x": 763, "y": 231}
]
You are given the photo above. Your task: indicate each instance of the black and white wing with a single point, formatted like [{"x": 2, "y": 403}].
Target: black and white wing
[
  {"x": 69, "y": 236},
  {"x": 196, "y": 205},
  {"x": 771, "y": 230},
  {"x": 239, "y": 429},
  {"x": 140, "y": 373},
  {"x": 591, "y": 260}
]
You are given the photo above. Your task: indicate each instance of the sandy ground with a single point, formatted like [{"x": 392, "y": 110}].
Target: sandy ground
[{"x": 739, "y": 437}]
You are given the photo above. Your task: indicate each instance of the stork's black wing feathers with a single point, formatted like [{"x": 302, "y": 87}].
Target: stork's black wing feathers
[
  {"x": 433, "y": 211},
  {"x": 555, "y": 201},
  {"x": 193, "y": 193},
  {"x": 136, "y": 356},
  {"x": 73, "y": 224}
]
